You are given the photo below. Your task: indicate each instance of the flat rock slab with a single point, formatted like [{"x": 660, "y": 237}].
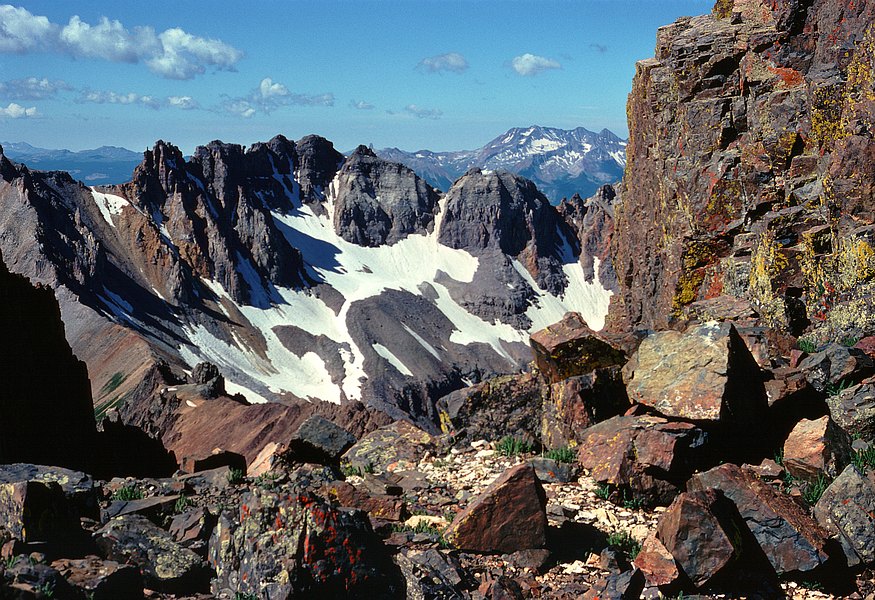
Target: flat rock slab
[
  {"x": 397, "y": 446},
  {"x": 155, "y": 504},
  {"x": 570, "y": 348},
  {"x": 690, "y": 375},
  {"x": 76, "y": 485},
  {"x": 836, "y": 365},
  {"x": 319, "y": 440},
  {"x": 510, "y": 515},
  {"x": 100, "y": 579},
  {"x": 854, "y": 410},
  {"x": 817, "y": 448},
  {"x": 789, "y": 537},
  {"x": 847, "y": 509},
  {"x": 166, "y": 566},
  {"x": 693, "y": 531}
]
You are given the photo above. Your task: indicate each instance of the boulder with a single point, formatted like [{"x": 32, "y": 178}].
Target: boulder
[
  {"x": 431, "y": 574},
  {"x": 579, "y": 402},
  {"x": 144, "y": 506},
  {"x": 193, "y": 527},
  {"x": 382, "y": 507},
  {"x": 617, "y": 586},
  {"x": 493, "y": 409},
  {"x": 78, "y": 487},
  {"x": 33, "y": 511},
  {"x": 26, "y": 580},
  {"x": 699, "y": 530},
  {"x": 648, "y": 455},
  {"x": 509, "y": 515},
  {"x": 847, "y": 510},
  {"x": 836, "y": 365},
  {"x": 282, "y": 545},
  {"x": 853, "y": 409},
  {"x": 269, "y": 458},
  {"x": 791, "y": 540},
  {"x": 396, "y": 446},
  {"x": 318, "y": 440},
  {"x": 818, "y": 448},
  {"x": 216, "y": 458},
  {"x": 100, "y": 579},
  {"x": 166, "y": 566},
  {"x": 553, "y": 471},
  {"x": 705, "y": 374},
  {"x": 570, "y": 348},
  {"x": 656, "y": 563}
]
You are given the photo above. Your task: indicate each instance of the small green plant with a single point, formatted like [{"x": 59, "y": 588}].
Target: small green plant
[
  {"x": 47, "y": 589},
  {"x": 864, "y": 459},
  {"x": 789, "y": 482},
  {"x": 128, "y": 493},
  {"x": 511, "y": 446},
  {"x": 182, "y": 503},
  {"x": 811, "y": 585},
  {"x": 836, "y": 388},
  {"x": 350, "y": 470},
  {"x": 426, "y": 528},
  {"x": 779, "y": 457},
  {"x": 813, "y": 490},
  {"x": 566, "y": 454},
  {"x": 604, "y": 491},
  {"x": 807, "y": 346},
  {"x": 236, "y": 476},
  {"x": 10, "y": 561},
  {"x": 849, "y": 341},
  {"x": 631, "y": 502},
  {"x": 625, "y": 543}
]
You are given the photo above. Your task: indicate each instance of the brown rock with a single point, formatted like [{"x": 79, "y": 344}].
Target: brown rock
[
  {"x": 656, "y": 563},
  {"x": 816, "y": 448},
  {"x": 509, "y": 515},
  {"x": 101, "y": 579},
  {"x": 269, "y": 457},
  {"x": 791, "y": 540},
  {"x": 216, "y": 458},
  {"x": 397, "y": 446},
  {"x": 192, "y": 526},
  {"x": 570, "y": 348},
  {"x": 693, "y": 531},
  {"x": 386, "y": 508}
]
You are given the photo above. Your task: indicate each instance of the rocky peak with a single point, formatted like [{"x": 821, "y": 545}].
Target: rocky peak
[
  {"x": 318, "y": 163},
  {"x": 276, "y": 157},
  {"x": 488, "y": 211},
  {"x": 593, "y": 220},
  {"x": 379, "y": 202}
]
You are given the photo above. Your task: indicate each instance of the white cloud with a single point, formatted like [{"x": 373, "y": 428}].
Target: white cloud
[
  {"x": 32, "y": 88},
  {"x": 271, "y": 95},
  {"x": 109, "y": 97},
  {"x": 21, "y": 31},
  {"x": 451, "y": 61},
  {"x": 528, "y": 65},
  {"x": 174, "y": 53},
  {"x": 423, "y": 113},
  {"x": 183, "y": 102},
  {"x": 16, "y": 111},
  {"x": 361, "y": 105}
]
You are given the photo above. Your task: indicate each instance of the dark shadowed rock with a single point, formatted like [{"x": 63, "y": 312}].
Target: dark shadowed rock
[
  {"x": 193, "y": 527},
  {"x": 319, "y": 440},
  {"x": 617, "y": 586},
  {"x": 701, "y": 534},
  {"x": 216, "y": 458},
  {"x": 579, "y": 402},
  {"x": 817, "y": 448},
  {"x": 99, "y": 579},
  {"x": 166, "y": 566},
  {"x": 26, "y": 580},
  {"x": 846, "y": 510},
  {"x": 378, "y": 202},
  {"x": 431, "y": 574},
  {"x": 144, "y": 506},
  {"x": 378, "y": 506},
  {"x": 77, "y": 487},
  {"x": 290, "y": 546},
  {"x": 791, "y": 540},
  {"x": 836, "y": 365},
  {"x": 33, "y": 511},
  {"x": 493, "y": 409},
  {"x": 509, "y": 515},
  {"x": 318, "y": 163},
  {"x": 570, "y": 348}
]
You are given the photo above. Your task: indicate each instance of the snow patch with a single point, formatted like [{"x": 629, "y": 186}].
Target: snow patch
[
  {"x": 392, "y": 359},
  {"x": 109, "y": 205}
]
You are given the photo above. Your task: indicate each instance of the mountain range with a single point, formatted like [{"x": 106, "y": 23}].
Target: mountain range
[{"x": 560, "y": 162}]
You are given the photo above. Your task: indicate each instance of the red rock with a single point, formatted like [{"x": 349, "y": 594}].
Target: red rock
[
  {"x": 217, "y": 457},
  {"x": 867, "y": 345},
  {"x": 269, "y": 457},
  {"x": 101, "y": 579},
  {"x": 816, "y": 448},
  {"x": 386, "y": 508},
  {"x": 791, "y": 540},
  {"x": 570, "y": 348},
  {"x": 656, "y": 563},
  {"x": 509, "y": 515},
  {"x": 692, "y": 532}
]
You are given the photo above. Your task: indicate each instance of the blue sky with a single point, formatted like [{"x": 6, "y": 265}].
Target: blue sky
[{"x": 437, "y": 74}]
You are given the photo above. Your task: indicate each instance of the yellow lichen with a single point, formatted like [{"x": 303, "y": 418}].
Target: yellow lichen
[{"x": 767, "y": 262}]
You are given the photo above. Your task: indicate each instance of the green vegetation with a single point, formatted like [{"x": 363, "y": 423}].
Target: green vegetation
[
  {"x": 813, "y": 490},
  {"x": 565, "y": 454},
  {"x": 779, "y": 457},
  {"x": 834, "y": 389},
  {"x": 630, "y": 502},
  {"x": 604, "y": 491},
  {"x": 10, "y": 561},
  {"x": 47, "y": 589},
  {"x": 127, "y": 493},
  {"x": 511, "y": 446},
  {"x": 113, "y": 382},
  {"x": 807, "y": 346},
  {"x": 236, "y": 476},
  {"x": 350, "y": 470},
  {"x": 424, "y": 527},
  {"x": 625, "y": 543},
  {"x": 864, "y": 459},
  {"x": 182, "y": 503}
]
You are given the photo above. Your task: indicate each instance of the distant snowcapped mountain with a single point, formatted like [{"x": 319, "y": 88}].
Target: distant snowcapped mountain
[
  {"x": 561, "y": 162},
  {"x": 100, "y": 166}
]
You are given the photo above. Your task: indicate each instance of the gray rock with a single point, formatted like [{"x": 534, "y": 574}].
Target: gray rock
[
  {"x": 854, "y": 410},
  {"x": 78, "y": 487},
  {"x": 318, "y": 162},
  {"x": 846, "y": 510},
  {"x": 319, "y": 440},
  {"x": 834, "y": 366},
  {"x": 378, "y": 202}
]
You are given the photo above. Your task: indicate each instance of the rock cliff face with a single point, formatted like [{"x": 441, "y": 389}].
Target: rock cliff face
[
  {"x": 749, "y": 166},
  {"x": 45, "y": 402}
]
